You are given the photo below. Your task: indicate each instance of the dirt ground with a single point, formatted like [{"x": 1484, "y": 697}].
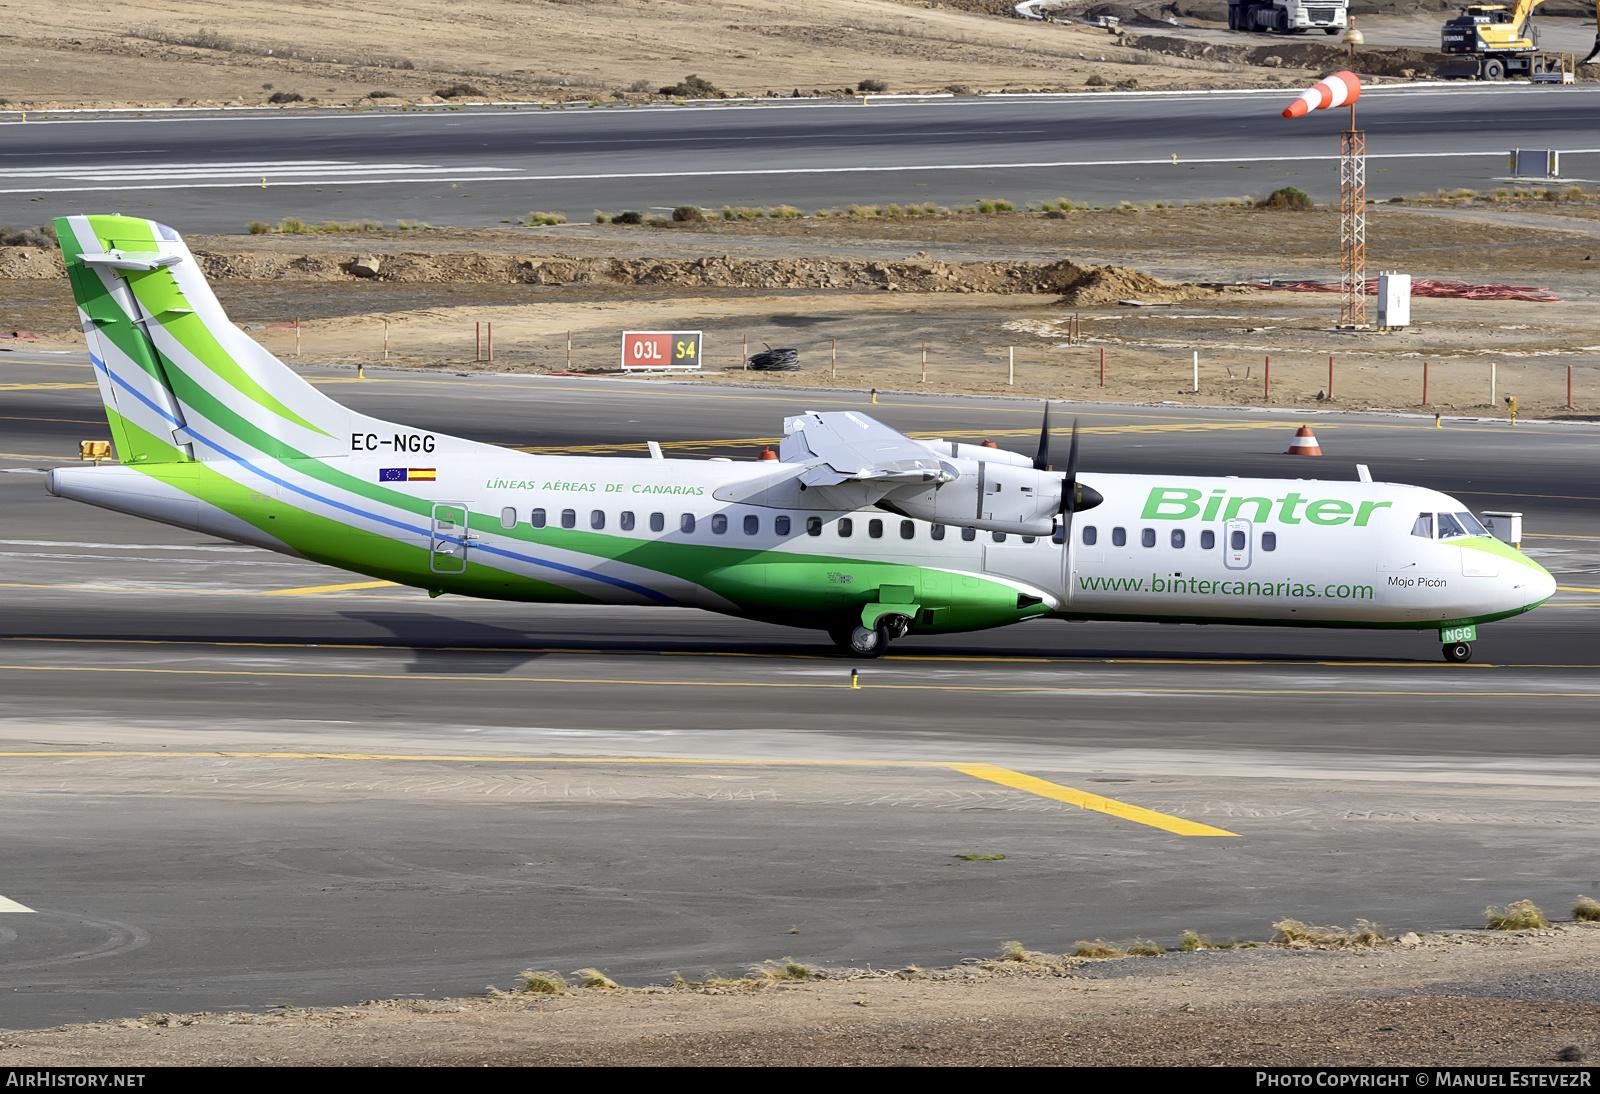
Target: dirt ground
[
  {"x": 1473, "y": 998},
  {"x": 341, "y": 52},
  {"x": 1017, "y": 304}
]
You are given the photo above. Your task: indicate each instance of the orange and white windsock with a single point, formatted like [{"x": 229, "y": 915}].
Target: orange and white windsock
[{"x": 1340, "y": 89}]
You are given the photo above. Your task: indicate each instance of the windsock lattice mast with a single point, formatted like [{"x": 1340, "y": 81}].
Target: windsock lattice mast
[{"x": 1343, "y": 89}]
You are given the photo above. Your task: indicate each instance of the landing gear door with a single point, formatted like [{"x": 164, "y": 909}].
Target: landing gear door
[
  {"x": 1236, "y": 544},
  {"x": 447, "y": 552}
]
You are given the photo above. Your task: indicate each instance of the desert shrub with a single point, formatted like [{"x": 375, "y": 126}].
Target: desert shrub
[
  {"x": 285, "y": 97},
  {"x": 537, "y": 220},
  {"x": 601, "y": 218},
  {"x": 1286, "y": 197},
  {"x": 1096, "y": 80},
  {"x": 259, "y": 227},
  {"x": 687, "y": 214},
  {"x": 693, "y": 87},
  {"x": 1520, "y": 915},
  {"x": 787, "y": 969},
  {"x": 1586, "y": 910},
  {"x": 744, "y": 212},
  {"x": 1189, "y": 941},
  {"x": 872, "y": 85},
  {"x": 639, "y": 87},
  {"x": 628, "y": 216},
  {"x": 42, "y": 236},
  {"x": 457, "y": 91},
  {"x": 1130, "y": 83},
  {"x": 784, "y": 212},
  {"x": 382, "y": 95}
]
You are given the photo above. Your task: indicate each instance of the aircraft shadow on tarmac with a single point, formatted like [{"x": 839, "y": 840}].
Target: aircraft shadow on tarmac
[{"x": 455, "y": 645}]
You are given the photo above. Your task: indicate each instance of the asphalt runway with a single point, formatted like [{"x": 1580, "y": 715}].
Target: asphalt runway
[
  {"x": 206, "y": 172},
  {"x": 230, "y": 782}
]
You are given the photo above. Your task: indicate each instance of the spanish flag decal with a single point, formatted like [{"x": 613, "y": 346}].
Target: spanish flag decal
[{"x": 407, "y": 474}]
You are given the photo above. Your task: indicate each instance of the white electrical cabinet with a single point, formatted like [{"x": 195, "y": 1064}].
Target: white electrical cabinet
[{"x": 1394, "y": 300}]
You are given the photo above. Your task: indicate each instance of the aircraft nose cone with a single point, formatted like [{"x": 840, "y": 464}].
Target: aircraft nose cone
[{"x": 1542, "y": 587}]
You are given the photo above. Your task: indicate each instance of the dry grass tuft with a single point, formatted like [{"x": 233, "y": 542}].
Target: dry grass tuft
[
  {"x": 1586, "y": 910},
  {"x": 1520, "y": 915},
  {"x": 1143, "y": 947},
  {"x": 787, "y": 969},
  {"x": 543, "y": 983},
  {"x": 1099, "y": 950},
  {"x": 594, "y": 978},
  {"x": 1364, "y": 933},
  {"x": 1189, "y": 941}
]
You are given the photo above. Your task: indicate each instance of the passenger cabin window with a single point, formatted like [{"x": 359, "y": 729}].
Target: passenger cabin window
[
  {"x": 1058, "y": 534},
  {"x": 1148, "y": 537},
  {"x": 719, "y": 523},
  {"x": 1208, "y": 540},
  {"x": 1119, "y": 537},
  {"x": 1030, "y": 539},
  {"x": 1178, "y": 538},
  {"x": 1236, "y": 541},
  {"x": 536, "y": 518},
  {"x": 998, "y": 537},
  {"x": 686, "y": 523},
  {"x": 658, "y": 521},
  {"x": 752, "y": 524},
  {"x": 875, "y": 528},
  {"x": 1269, "y": 541},
  {"x": 969, "y": 534},
  {"x": 569, "y": 518},
  {"x": 937, "y": 531},
  {"x": 813, "y": 526},
  {"x": 625, "y": 522},
  {"x": 846, "y": 527},
  {"x": 780, "y": 525},
  {"x": 1090, "y": 535},
  {"x": 908, "y": 529},
  {"x": 597, "y": 519},
  {"x": 1423, "y": 526},
  {"x": 508, "y": 517},
  {"x": 1450, "y": 527}
]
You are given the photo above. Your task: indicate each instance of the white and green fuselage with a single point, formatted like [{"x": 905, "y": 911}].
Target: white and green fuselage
[{"x": 215, "y": 434}]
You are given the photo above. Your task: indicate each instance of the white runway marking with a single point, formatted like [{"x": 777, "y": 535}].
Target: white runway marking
[
  {"x": 8, "y": 905},
  {"x": 241, "y": 173}
]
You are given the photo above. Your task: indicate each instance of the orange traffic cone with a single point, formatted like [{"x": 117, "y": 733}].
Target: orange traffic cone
[
  {"x": 768, "y": 454},
  {"x": 1304, "y": 443}
]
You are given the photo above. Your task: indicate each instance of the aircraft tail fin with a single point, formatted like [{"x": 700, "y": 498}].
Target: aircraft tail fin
[{"x": 180, "y": 382}]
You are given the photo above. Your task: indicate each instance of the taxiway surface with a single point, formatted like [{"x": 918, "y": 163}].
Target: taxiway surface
[{"x": 232, "y": 782}]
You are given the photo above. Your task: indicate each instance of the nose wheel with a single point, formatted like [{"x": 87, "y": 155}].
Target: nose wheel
[
  {"x": 1458, "y": 652},
  {"x": 869, "y": 642}
]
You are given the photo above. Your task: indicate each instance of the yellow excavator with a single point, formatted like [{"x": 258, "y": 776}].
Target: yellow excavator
[{"x": 1503, "y": 39}]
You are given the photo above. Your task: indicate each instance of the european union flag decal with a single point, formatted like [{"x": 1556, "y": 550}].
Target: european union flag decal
[{"x": 392, "y": 474}]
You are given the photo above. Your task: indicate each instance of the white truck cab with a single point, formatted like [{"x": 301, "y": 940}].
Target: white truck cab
[{"x": 1288, "y": 16}]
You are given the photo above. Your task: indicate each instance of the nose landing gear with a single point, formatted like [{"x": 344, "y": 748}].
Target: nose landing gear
[{"x": 1458, "y": 652}]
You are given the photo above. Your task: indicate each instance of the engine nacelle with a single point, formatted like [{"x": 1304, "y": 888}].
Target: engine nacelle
[{"x": 993, "y": 496}]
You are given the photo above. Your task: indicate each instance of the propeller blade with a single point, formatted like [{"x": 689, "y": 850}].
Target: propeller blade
[
  {"x": 1072, "y": 455},
  {"x": 1041, "y": 462}
]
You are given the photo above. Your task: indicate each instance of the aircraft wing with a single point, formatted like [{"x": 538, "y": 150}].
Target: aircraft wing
[{"x": 851, "y": 447}]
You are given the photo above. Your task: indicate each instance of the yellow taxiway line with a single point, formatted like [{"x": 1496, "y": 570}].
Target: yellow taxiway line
[{"x": 1016, "y": 780}]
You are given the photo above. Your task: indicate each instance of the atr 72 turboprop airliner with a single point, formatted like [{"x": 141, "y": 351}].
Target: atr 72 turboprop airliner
[{"x": 856, "y": 530}]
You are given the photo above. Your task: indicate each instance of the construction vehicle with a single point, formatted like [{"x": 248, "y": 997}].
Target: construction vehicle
[
  {"x": 1594, "y": 54},
  {"x": 1502, "y": 39},
  {"x": 1288, "y": 16}
]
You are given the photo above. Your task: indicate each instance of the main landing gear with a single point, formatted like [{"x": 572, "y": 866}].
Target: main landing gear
[
  {"x": 868, "y": 642},
  {"x": 1458, "y": 652}
]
